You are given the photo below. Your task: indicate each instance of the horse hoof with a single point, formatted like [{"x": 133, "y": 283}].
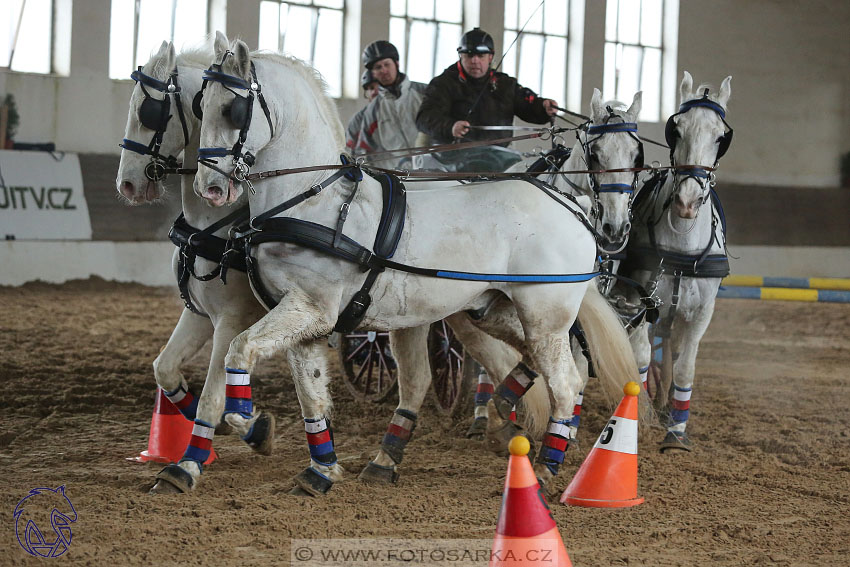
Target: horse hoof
[
  {"x": 478, "y": 429},
  {"x": 298, "y": 491},
  {"x": 172, "y": 480},
  {"x": 375, "y": 473},
  {"x": 313, "y": 482},
  {"x": 261, "y": 436},
  {"x": 676, "y": 441},
  {"x": 223, "y": 428},
  {"x": 497, "y": 439}
]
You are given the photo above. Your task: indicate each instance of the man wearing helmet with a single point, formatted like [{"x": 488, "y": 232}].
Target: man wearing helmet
[
  {"x": 470, "y": 93},
  {"x": 390, "y": 119},
  {"x": 355, "y": 125}
]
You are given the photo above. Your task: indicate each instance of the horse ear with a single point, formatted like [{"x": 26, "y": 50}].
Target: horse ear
[
  {"x": 242, "y": 59},
  {"x": 596, "y": 106},
  {"x": 725, "y": 91},
  {"x": 163, "y": 49},
  {"x": 160, "y": 54},
  {"x": 686, "y": 88},
  {"x": 634, "y": 109},
  {"x": 170, "y": 57},
  {"x": 220, "y": 45}
]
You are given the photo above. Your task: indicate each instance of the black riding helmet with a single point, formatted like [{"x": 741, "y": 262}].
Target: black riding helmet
[
  {"x": 378, "y": 50},
  {"x": 476, "y": 40},
  {"x": 366, "y": 79}
]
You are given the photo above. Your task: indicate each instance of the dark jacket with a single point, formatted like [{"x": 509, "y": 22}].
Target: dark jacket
[{"x": 451, "y": 94}]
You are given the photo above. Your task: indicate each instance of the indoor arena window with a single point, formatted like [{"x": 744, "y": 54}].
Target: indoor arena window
[
  {"x": 640, "y": 54},
  {"x": 311, "y": 30},
  {"x": 35, "y": 36},
  {"x": 433, "y": 28},
  {"x": 138, "y": 28},
  {"x": 539, "y": 57}
]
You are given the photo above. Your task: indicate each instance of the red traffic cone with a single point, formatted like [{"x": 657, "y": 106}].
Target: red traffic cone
[
  {"x": 526, "y": 531},
  {"x": 170, "y": 434},
  {"x": 608, "y": 476}
]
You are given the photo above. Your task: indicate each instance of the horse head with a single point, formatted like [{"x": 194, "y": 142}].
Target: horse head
[
  {"x": 231, "y": 96},
  {"x": 610, "y": 142},
  {"x": 152, "y": 140},
  {"x": 698, "y": 136}
]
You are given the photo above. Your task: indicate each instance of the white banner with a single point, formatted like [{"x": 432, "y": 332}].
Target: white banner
[{"x": 41, "y": 197}]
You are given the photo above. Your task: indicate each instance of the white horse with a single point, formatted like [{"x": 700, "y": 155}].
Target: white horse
[
  {"x": 213, "y": 310},
  {"x": 608, "y": 141},
  {"x": 452, "y": 260},
  {"x": 678, "y": 243}
]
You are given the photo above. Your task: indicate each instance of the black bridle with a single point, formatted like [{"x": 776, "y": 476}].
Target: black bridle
[
  {"x": 239, "y": 112},
  {"x": 704, "y": 178},
  {"x": 154, "y": 114}
]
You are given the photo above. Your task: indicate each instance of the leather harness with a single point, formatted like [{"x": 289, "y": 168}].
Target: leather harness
[{"x": 194, "y": 242}]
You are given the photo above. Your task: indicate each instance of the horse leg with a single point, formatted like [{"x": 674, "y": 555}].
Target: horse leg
[
  {"x": 642, "y": 348},
  {"x": 309, "y": 365},
  {"x": 187, "y": 338},
  {"x": 552, "y": 355},
  {"x": 688, "y": 335},
  {"x": 409, "y": 348},
  {"x": 222, "y": 390},
  {"x": 496, "y": 358},
  {"x": 501, "y": 322}
]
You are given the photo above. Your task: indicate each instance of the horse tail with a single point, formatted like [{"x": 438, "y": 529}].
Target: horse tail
[{"x": 610, "y": 349}]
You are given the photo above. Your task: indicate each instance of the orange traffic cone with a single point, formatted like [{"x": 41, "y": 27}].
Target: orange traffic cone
[
  {"x": 170, "y": 434},
  {"x": 608, "y": 476},
  {"x": 526, "y": 531}
]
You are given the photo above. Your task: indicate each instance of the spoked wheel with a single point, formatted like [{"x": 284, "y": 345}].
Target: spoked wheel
[
  {"x": 451, "y": 369},
  {"x": 369, "y": 369}
]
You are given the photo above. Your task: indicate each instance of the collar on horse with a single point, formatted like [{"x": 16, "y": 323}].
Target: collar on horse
[
  {"x": 194, "y": 242},
  {"x": 154, "y": 114},
  {"x": 241, "y": 112},
  {"x": 653, "y": 257}
]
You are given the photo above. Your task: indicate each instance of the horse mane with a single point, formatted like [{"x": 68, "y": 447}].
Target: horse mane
[
  {"x": 197, "y": 56},
  {"x": 315, "y": 80}
]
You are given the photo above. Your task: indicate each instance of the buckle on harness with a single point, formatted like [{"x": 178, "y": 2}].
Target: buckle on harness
[
  {"x": 343, "y": 210},
  {"x": 315, "y": 189}
]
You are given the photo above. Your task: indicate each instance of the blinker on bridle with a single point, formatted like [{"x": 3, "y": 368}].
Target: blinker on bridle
[
  {"x": 239, "y": 113},
  {"x": 154, "y": 114}
]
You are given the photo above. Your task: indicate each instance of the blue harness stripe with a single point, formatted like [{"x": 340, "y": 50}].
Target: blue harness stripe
[{"x": 528, "y": 278}]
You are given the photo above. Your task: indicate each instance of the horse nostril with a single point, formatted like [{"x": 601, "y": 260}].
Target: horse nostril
[
  {"x": 679, "y": 201},
  {"x": 607, "y": 229},
  {"x": 127, "y": 189},
  {"x": 627, "y": 228}
]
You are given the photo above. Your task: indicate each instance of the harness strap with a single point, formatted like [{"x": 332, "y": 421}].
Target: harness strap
[
  {"x": 666, "y": 325},
  {"x": 550, "y": 190},
  {"x": 314, "y": 190},
  {"x": 192, "y": 243},
  {"x": 649, "y": 258}
]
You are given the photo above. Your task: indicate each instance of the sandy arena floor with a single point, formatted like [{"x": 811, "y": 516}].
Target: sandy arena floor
[{"x": 768, "y": 482}]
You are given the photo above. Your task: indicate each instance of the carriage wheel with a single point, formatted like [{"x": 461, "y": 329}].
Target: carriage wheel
[
  {"x": 369, "y": 369},
  {"x": 451, "y": 369}
]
